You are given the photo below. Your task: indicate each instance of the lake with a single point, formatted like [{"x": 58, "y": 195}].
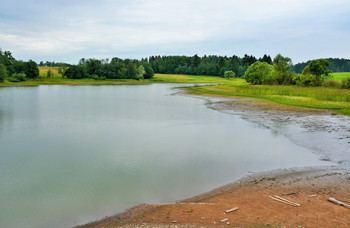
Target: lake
[{"x": 73, "y": 154}]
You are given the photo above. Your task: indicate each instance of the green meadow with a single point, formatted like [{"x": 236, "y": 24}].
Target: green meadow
[{"x": 340, "y": 76}]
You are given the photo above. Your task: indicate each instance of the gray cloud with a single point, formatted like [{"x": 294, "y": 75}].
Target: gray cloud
[{"x": 69, "y": 30}]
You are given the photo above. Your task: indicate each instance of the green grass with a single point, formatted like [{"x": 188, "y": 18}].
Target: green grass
[
  {"x": 310, "y": 97},
  {"x": 339, "y": 76},
  {"x": 175, "y": 78}
]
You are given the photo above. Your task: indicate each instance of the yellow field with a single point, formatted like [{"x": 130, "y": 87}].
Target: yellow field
[{"x": 43, "y": 70}]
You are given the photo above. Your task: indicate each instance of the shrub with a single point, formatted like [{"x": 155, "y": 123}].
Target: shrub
[
  {"x": 94, "y": 76},
  {"x": 345, "y": 83},
  {"x": 17, "y": 77},
  {"x": 229, "y": 74},
  {"x": 257, "y": 72},
  {"x": 49, "y": 73}
]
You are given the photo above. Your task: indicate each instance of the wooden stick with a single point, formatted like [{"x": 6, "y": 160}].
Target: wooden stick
[
  {"x": 338, "y": 202},
  {"x": 296, "y": 204},
  {"x": 313, "y": 195},
  {"x": 231, "y": 210},
  {"x": 282, "y": 201}
]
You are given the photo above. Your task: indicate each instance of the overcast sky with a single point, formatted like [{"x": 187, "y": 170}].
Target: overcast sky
[{"x": 67, "y": 30}]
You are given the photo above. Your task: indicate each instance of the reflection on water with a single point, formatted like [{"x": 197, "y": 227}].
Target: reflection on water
[{"x": 72, "y": 154}]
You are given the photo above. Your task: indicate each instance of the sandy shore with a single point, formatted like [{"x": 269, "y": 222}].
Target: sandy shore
[{"x": 309, "y": 187}]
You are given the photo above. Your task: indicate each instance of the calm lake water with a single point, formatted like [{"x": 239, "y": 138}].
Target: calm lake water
[{"x": 73, "y": 154}]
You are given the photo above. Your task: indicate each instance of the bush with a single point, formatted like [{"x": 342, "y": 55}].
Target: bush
[
  {"x": 94, "y": 76},
  {"x": 268, "y": 80},
  {"x": 229, "y": 74},
  {"x": 257, "y": 72},
  {"x": 331, "y": 83},
  {"x": 17, "y": 77},
  {"x": 49, "y": 74},
  {"x": 345, "y": 83},
  {"x": 311, "y": 80}
]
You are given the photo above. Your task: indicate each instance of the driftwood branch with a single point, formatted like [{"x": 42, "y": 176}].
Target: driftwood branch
[
  {"x": 282, "y": 200},
  {"x": 231, "y": 210},
  {"x": 338, "y": 202}
]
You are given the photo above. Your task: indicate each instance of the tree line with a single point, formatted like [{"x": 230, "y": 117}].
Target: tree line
[
  {"x": 335, "y": 65},
  {"x": 211, "y": 65},
  {"x": 280, "y": 72},
  {"x": 116, "y": 68},
  {"x": 262, "y": 70},
  {"x": 16, "y": 70}
]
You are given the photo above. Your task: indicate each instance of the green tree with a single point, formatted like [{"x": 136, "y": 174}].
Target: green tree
[
  {"x": 221, "y": 63},
  {"x": 196, "y": 60},
  {"x": 258, "y": 72},
  {"x": 31, "y": 69},
  {"x": 3, "y": 72},
  {"x": 92, "y": 66},
  {"x": 140, "y": 72},
  {"x": 76, "y": 72},
  {"x": 319, "y": 69},
  {"x": 19, "y": 66},
  {"x": 306, "y": 70},
  {"x": 149, "y": 71},
  {"x": 62, "y": 70},
  {"x": 229, "y": 74},
  {"x": 281, "y": 70},
  {"x": 235, "y": 64},
  {"x": 131, "y": 69},
  {"x": 49, "y": 73}
]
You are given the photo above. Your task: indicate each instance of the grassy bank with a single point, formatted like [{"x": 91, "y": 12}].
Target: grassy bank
[
  {"x": 56, "y": 79},
  {"x": 311, "y": 97}
]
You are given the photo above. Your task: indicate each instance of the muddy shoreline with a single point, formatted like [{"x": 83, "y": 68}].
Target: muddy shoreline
[
  {"x": 325, "y": 134},
  {"x": 328, "y": 137}
]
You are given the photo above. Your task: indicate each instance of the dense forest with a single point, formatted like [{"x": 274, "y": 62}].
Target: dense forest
[
  {"x": 115, "y": 69},
  {"x": 206, "y": 65}
]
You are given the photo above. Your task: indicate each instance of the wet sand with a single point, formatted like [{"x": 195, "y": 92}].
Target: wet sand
[{"x": 328, "y": 137}]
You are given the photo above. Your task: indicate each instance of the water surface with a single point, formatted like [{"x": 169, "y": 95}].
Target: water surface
[{"x": 73, "y": 154}]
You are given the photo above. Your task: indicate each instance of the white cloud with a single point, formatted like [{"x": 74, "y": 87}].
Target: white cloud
[{"x": 112, "y": 27}]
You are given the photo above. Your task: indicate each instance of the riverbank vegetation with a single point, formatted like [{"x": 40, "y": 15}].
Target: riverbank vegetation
[{"x": 262, "y": 78}]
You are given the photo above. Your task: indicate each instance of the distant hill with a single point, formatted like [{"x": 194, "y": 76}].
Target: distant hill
[{"x": 336, "y": 65}]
